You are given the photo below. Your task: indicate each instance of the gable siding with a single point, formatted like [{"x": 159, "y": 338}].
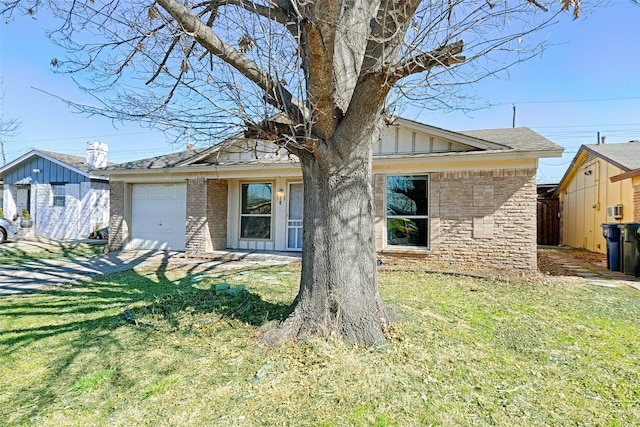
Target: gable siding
[
  {"x": 399, "y": 140},
  {"x": 49, "y": 172}
]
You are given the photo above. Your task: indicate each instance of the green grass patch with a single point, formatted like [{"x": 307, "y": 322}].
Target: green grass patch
[
  {"x": 94, "y": 380},
  {"x": 463, "y": 351}
]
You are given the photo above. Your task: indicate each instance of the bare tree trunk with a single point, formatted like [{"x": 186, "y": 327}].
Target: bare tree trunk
[{"x": 338, "y": 294}]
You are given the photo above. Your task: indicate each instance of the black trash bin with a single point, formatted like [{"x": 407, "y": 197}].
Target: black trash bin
[
  {"x": 629, "y": 248},
  {"x": 611, "y": 233}
]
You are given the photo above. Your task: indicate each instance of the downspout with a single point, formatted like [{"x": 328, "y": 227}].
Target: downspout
[
  {"x": 598, "y": 185},
  {"x": 596, "y": 226}
]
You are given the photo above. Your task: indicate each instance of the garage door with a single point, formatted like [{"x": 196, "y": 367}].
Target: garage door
[{"x": 158, "y": 216}]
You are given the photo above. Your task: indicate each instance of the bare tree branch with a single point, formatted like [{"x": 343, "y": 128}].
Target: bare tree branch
[
  {"x": 281, "y": 12},
  {"x": 442, "y": 57},
  {"x": 274, "y": 91}
]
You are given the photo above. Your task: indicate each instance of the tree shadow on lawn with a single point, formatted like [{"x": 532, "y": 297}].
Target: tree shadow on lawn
[
  {"x": 87, "y": 319},
  {"x": 37, "y": 251},
  {"x": 185, "y": 310}
]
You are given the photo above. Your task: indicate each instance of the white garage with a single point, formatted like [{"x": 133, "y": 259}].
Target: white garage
[{"x": 158, "y": 216}]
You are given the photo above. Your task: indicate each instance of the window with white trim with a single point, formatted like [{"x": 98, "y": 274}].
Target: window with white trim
[
  {"x": 408, "y": 210},
  {"x": 255, "y": 213},
  {"x": 59, "y": 194}
]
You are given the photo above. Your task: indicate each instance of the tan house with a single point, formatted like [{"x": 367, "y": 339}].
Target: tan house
[
  {"x": 473, "y": 196},
  {"x": 602, "y": 185}
]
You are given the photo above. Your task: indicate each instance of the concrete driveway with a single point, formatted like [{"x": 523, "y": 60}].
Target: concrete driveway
[{"x": 33, "y": 275}]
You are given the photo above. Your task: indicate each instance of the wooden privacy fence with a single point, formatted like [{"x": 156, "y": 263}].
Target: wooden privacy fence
[{"x": 548, "y": 222}]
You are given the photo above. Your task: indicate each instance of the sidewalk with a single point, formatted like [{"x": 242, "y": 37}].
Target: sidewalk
[
  {"x": 553, "y": 261},
  {"x": 32, "y": 275},
  {"x": 586, "y": 265}
]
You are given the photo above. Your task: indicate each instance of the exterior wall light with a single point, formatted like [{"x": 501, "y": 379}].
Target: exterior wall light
[{"x": 280, "y": 195}]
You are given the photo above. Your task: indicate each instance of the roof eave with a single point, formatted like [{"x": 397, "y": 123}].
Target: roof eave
[
  {"x": 605, "y": 158},
  {"x": 626, "y": 175},
  {"x": 33, "y": 153},
  {"x": 377, "y": 159},
  {"x": 571, "y": 169}
]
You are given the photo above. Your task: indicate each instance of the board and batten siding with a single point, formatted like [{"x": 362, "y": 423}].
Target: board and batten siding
[
  {"x": 401, "y": 140},
  {"x": 584, "y": 203},
  {"x": 49, "y": 172}
]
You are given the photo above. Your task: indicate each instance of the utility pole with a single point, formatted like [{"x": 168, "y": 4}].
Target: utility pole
[{"x": 4, "y": 156}]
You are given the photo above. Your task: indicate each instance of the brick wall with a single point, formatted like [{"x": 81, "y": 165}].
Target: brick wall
[
  {"x": 116, "y": 217},
  {"x": 206, "y": 215},
  {"x": 477, "y": 217},
  {"x": 197, "y": 232},
  {"x": 218, "y": 191}
]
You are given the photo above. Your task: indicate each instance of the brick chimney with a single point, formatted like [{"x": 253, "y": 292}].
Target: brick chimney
[{"x": 96, "y": 154}]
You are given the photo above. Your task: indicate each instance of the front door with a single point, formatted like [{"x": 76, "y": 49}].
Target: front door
[{"x": 294, "y": 217}]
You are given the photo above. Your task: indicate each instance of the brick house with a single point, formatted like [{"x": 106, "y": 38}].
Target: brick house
[
  {"x": 472, "y": 196},
  {"x": 67, "y": 196}
]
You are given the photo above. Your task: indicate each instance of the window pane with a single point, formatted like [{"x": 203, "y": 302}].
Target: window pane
[
  {"x": 407, "y": 232},
  {"x": 255, "y": 227},
  {"x": 256, "y": 199},
  {"x": 58, "y": 194},
  {"x": 295, "y": 201},
  {"x": 294, "y": 237},
  {"x": 407, "y": 195}
]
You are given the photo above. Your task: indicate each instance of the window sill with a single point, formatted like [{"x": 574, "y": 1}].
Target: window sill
[{"x": 406, "y": 250}]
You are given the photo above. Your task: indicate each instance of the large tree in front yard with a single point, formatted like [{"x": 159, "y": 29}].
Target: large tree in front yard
[{"x": 331, "y": 72}]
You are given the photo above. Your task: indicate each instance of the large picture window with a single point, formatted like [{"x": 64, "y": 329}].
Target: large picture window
[
  {"x": 255, "y": 215},
  {"x": 59, "y": 194},
  {"x": 408, "y": 210}
]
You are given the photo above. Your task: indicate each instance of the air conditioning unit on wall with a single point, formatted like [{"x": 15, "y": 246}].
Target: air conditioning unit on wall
[{"x": 614, "y": 211}]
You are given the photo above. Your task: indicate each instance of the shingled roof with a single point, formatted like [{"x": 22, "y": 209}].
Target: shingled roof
[
  {"x": 500, "y": 140},
  {"x": 519, "y": 139},
  {"x": 157, "y": 162},
  {"x": 626, "y": 156},
  {"x": 77, "y": 162}
]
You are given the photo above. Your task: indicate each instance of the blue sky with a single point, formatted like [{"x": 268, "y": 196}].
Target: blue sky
[{"x": 587, "y": 80}]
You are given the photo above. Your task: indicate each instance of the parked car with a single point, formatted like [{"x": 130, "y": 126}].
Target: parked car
[{"x": 8, "y": 229}]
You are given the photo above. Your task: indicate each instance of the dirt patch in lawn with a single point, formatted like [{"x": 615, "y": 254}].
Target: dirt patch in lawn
[{"x": 560, "y": 261}]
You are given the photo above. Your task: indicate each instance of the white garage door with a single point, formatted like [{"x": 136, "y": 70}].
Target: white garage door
[{"x": 158, "y": 216}]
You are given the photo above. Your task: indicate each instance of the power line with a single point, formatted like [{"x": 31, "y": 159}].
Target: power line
[
  {"x": 85, "y": 138},
  {"x": 590, "y": 125},
  {"x": 567, "y": 101}
]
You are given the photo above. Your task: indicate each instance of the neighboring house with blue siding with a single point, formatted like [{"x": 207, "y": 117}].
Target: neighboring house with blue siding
[{"x": 65, "y": 195}]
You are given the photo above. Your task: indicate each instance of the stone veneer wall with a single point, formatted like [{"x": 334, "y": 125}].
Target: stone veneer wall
[
  {"x": 116, "y": 217},
  {"x": 206, "y": 215},
  {"x": 483, "y": 218}
]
